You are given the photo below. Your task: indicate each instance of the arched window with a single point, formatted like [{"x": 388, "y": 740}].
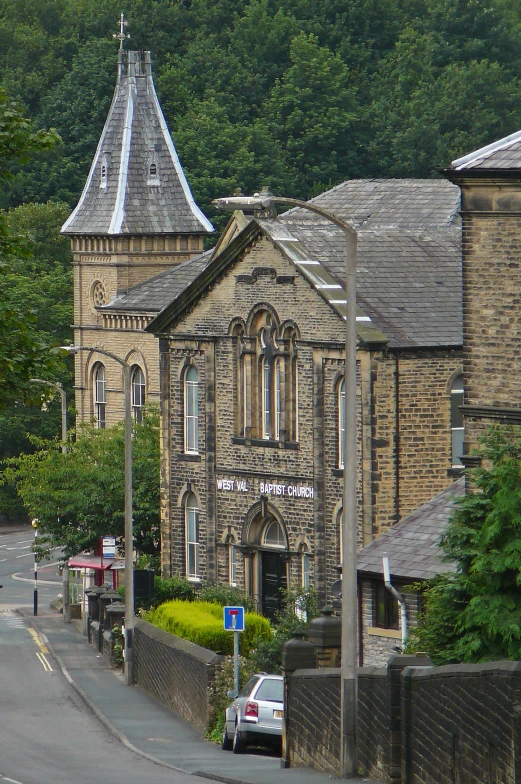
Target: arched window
[
  {"x": 456, "y": 420},
  {"x": 192, "y": 537},
  {"x": 100, "y": 396},
  {"x": 153, "y": 170},
  {"x": 274, "y": 535},
  {"x": 266, "y": 397},
  {"x": 340, "y": 519},
  {"x": 341, "y": 422},
  {"x": 138, "y": 393},
  {"x": 278, "y": 399},
  {"x": 232, "y": 561},
  {"x": 191, "y": 400}
]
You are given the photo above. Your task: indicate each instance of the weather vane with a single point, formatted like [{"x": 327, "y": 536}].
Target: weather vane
[{"x": 121, "y": 36}]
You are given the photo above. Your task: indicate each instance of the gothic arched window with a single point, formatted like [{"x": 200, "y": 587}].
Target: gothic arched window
[
  {"x": 192, "y": 536},
  {"x": 100, "y": 396},
  {"x": 138, "y": 392},
  {"x": 191, "y": 410}
]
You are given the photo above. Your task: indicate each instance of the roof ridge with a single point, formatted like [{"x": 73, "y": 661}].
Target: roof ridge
[{"x": 487, "y": 151}]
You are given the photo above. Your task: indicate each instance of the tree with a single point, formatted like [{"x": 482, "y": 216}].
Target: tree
[
  {"x": 79, "y": 496},
  {"x": 24, "y": 353},
  {"x": 474, "y": 614}
]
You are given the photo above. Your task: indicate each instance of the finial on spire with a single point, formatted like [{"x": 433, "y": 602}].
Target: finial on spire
[{"x": 121, "y": 36}]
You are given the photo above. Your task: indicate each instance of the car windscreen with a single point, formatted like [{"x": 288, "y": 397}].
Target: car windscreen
[
  {"x": 246, "y": 690},
  {"x": 271, "y": 689}
]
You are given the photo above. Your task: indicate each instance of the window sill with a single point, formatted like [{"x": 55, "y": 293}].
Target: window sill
[
  {"x": 265, "y": 442},
  {"x": 191, "y": 458},
  {"x": 395, "y": 634},
  {"x": 455, "y": 471},
  {"x": 195, "y": 580},
  {"x": 337, "y": 471}
]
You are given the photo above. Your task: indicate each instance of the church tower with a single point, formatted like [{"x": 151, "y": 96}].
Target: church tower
[{"x": 135, "y": 219}]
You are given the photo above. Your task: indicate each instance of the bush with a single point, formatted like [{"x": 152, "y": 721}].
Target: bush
[
  {"x": 225, "y": 595},
  {"x": 202, "y": 623}
]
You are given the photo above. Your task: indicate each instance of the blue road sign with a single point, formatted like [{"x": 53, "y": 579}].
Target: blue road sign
[{"x": 234, "y": 619}]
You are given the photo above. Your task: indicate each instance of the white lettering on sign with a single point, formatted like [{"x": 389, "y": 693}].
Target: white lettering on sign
[
  {"x": 293, "y": 491},
  {"x": 240, "y": 485}
]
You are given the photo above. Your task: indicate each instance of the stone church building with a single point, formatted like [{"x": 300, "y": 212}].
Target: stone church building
[
  {"x": 252, "y": 356},
  {"x": 243, "y": 347}
]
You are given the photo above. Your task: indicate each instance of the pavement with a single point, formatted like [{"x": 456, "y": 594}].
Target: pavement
[{"x": 147, "y": 727}]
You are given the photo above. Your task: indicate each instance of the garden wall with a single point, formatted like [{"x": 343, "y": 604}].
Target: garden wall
[{"x": 176, "y": 672}]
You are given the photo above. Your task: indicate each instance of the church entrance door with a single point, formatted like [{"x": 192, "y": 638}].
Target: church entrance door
[{"x": 274, "y": 582}]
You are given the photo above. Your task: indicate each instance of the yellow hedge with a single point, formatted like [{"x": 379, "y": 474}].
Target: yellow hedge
[{"x": 202, "y": 623}]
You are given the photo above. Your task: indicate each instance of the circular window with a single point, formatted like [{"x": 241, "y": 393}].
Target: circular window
[{"x": 99, "y": 297}]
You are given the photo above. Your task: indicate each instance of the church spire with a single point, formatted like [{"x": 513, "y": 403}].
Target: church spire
[{"x": 136, "y": 185}]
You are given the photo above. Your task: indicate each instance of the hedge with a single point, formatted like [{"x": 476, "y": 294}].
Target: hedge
[{"x": 202, "y": 623}]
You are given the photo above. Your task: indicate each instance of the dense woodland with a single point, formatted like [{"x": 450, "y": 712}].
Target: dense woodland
[{"x": 297, "y": 95}]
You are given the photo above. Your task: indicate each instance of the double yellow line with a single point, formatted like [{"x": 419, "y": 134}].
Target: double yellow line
[{"x": 41, "y": 654}]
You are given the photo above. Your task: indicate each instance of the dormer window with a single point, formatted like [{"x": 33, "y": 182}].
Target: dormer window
[
  {"x": 152, "y": 171},
  {"x": 104, "y": 171}
]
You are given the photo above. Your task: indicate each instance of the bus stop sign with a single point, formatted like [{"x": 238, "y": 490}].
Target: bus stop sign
[{"x": 234, "y": 619}]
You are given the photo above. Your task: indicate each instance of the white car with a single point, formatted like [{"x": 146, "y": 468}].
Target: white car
[{"x": 255, "y": 715}]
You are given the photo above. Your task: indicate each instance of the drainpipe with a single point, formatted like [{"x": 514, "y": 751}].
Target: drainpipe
[
  {"x": 397, "y": 435},
  {"x": 398, "y": 596}
]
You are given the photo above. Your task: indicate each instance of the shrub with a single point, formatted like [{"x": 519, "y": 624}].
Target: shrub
[
  {"x": 202, "y": 623},
  {"x": 225, "y": 595}
]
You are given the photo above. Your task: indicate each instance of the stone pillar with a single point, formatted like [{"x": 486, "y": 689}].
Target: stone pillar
[
  {"x": 297, "y": 654},
  {"x": 325, "y": 634},
  {"x": 399, "y": 730}
]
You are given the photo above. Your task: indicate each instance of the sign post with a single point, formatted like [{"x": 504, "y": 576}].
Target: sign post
[{"x": 234, "y": 622}]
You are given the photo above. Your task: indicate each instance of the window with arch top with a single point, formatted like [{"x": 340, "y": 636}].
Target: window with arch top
[
  {"x": 191, "y": 410},
  {"x": 138, "y": 392},
  {"x": 192, "y": 537},
  {"x": 100, "y": 396},
  {"x": 341, "y": 422},
  {"x": 456, "y": 421},
  {"x": 274, "y": 535}
]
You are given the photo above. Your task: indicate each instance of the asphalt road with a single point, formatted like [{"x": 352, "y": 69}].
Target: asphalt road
[
  {"x": 16, "y": 558},
  {"x": 47, "y": 735}
]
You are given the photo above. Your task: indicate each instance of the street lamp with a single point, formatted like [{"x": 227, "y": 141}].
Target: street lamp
[
  {"x": 63, "y": 395},
  {"x": 129, "y": 534},
  {"x": 263, "y": 202}
]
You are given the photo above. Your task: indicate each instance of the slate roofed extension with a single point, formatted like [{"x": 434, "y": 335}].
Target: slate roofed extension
[
  {"x": 153, "y": 295},
  {"x": 412, "y": 544}
]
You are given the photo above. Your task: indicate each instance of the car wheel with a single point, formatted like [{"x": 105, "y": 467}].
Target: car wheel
[
  {"x": 238, "y": 742},
  {"x": 226, "y": 743}
]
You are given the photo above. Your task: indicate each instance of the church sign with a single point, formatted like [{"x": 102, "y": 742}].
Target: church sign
[{"x": 267, "y": 488}]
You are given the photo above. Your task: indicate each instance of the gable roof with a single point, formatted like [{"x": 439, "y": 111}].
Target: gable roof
[
  {"x": 151, "y": 296},
  {"x": 502, "y": 154},
  {"x": 412, "y": 544},
  {"x": 132, "y": 197},
  {"x": 409, "y": 259}
]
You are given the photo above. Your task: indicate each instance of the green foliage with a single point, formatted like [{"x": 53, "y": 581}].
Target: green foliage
[
  {"x": 225, "y": 595},
  {"x": 299, "y": 608},
  {"x": 219, "y": 700},
  {"x": 118, "y": 645},
  {"x": 475, "y": 614},
  {"x": 79, "y": 496},
  {"x": 202, "y": 623}
]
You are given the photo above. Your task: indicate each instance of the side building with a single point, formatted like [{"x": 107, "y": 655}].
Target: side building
[
  {"x": 252, "y": 359},
  {"x": 136, "y": 219}
]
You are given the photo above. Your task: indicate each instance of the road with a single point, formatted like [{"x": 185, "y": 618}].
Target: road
[{"x": 48, "y": 736}]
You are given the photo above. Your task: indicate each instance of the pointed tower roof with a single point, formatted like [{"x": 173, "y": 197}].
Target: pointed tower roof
[{"x": 136, "y": 184}]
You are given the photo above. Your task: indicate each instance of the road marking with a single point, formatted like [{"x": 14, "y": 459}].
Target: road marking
[
  {"x": 3, "y": 545},
  {"x": 3, "y": 559},
  {"x": 19, "y": 548},
  {"x": 46, "y": 666},
  {"x": 25, "y": 555},
  {"x": 12, "y": 781},
  {"x": 25, "y": 541}
]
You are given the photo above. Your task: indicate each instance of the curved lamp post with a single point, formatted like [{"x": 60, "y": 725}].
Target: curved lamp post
[
  {"x": 129, "y": 534},
  {"x": 349, "y": 664}
]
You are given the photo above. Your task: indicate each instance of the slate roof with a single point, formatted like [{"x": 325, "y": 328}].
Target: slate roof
[
  {"x": 409, "y": 288},
  {"x": 412, "y": 544},
  {"x": 129, "y": 200},
  {"x": 503, "y": 154},
  {"x": 153, "y": 295}
]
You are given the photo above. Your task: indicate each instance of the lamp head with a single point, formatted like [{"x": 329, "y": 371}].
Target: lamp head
[
  {"x": 70, "y": 349},
  {"x": 257, "y": 203}
]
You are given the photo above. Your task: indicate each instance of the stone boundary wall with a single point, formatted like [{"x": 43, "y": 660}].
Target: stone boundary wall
[
  {"x": 176, "y": 672},
  {"x": 462, "y": 723},
  {"x": 457, "y": 724}
]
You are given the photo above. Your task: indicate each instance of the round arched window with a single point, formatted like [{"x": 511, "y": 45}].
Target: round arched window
[{"x": 274, "y": 535}]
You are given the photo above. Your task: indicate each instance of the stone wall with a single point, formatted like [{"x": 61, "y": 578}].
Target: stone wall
[
  {"x": 458, "y": 724},
  {"x": 176, "y": 672}
]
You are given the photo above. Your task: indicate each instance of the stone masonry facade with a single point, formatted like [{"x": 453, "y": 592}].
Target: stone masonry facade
[{"x": 241, "y": 481}]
